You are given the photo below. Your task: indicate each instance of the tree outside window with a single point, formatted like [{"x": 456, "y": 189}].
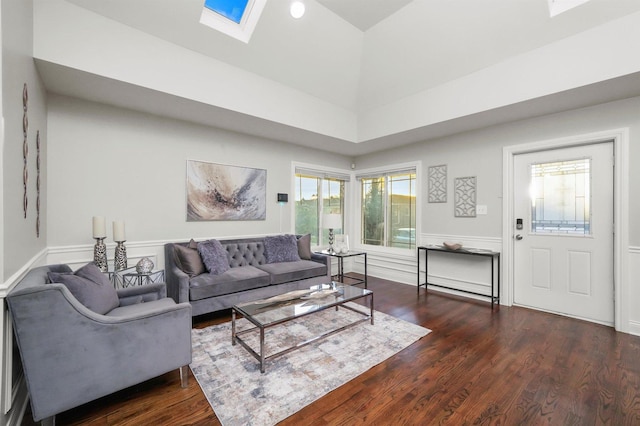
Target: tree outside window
[
  {"x": 389, "y": 210},
  {"x": 316, "y": 196}
]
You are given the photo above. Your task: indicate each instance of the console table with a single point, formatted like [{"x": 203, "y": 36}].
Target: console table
[
  {"x": 341, "y": 275},
  {"x": 493, "y": 256}
]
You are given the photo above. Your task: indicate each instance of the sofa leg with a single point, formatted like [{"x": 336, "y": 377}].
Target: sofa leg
[
  {"x": 48, "y": 421},
  {"x": 184, "y": 376}
]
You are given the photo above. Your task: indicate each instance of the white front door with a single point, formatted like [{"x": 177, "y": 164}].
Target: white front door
[{"x": 563, "y": 248}]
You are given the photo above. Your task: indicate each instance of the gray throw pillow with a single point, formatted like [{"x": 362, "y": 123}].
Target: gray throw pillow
[
  {"x": 304, "y": 247},
  {"x": 188, "y": 259},
  {"x": 214, "y": 256},
  {"x": 281, "y": 248},
  {"x": 90, "y": 286}
]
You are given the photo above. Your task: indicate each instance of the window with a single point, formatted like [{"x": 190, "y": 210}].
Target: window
[
  {"x": 318, "y": 193},
  {"x": 230, "y": 9},
  {"x": 560, "y": 197},
  {"x": 235, "y": 18},
  {"x": 388, "y": 209}
]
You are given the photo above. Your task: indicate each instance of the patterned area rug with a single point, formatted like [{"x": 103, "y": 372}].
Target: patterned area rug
[{"x": 240, "y": 395}]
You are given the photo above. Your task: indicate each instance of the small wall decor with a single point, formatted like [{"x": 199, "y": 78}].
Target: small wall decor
[
  {"x": 25, "y": 147},
  {"x": 38, "y": 184},
  {"x": 465, "y": 197},
  {"x": 438, "y": 184},
  {"x": 221, "y": 192}
]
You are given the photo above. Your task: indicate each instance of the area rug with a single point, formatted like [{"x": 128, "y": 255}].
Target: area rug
[{"x": 240, "y": 395}]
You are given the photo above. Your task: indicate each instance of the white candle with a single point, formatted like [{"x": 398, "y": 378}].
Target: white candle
[
  {"x": 118, "y": 231},
  {"x": 99, "y": 227}
]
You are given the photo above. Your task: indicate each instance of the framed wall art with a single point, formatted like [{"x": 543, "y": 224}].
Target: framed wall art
[
  {"x": 438, "y": 184},
  {"x": 465, "y": 202},
  {"x": 223, "y": 192}
]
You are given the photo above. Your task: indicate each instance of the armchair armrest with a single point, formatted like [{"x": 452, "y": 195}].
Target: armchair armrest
[{"x": 143, "y": 293}]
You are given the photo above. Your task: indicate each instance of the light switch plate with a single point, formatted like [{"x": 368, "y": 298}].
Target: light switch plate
[{"x": 481, "y": 209}]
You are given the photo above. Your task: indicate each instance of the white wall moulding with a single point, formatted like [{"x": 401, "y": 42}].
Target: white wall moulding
[
  {"x": 389, "y": 266},
  {"x": 634, "y": 291}
]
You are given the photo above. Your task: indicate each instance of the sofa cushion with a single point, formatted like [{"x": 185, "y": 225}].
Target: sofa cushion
[
  {"x": 188, "y": 259},
  {"x": 232, "y": 281},
  {"x": 214, "y": 256},
  {"x": 90, "y": 286},
  {"x": 304, "y": 247},
  {"x": 293, "y": 271},
  {"x": 281, "y": 248}
]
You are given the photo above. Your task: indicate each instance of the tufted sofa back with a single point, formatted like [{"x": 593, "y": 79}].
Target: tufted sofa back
[{"x": 245, "y": 252}]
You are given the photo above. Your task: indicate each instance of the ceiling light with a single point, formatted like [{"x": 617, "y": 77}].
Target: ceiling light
[{"x": 297, "y": 9}]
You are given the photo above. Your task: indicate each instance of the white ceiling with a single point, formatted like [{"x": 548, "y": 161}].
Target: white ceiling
[
  {"x": 364, "y": 14},
  {"x": 363, "y": 54}
]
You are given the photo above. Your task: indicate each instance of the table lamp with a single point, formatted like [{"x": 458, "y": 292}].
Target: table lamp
[{"x": 332, "y": 221}]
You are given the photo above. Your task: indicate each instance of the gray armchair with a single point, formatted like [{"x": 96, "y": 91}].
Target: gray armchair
[{"x": 72, "y": 355}]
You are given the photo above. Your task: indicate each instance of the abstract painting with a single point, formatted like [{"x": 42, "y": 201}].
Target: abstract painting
[
  {"x": 465, "y": 203},
  {"x": 222, "y": 192}
]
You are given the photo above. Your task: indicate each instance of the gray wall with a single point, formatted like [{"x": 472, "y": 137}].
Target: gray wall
[
  {"x": 479, "y": 153},
  {"x": 106, "y": 161},
  {"x": 19, "y": 240}
]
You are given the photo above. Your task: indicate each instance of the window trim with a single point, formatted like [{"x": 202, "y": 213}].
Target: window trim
[
  {"x": 323, "y": 172},
  {"x": 377, "y": 172},
  {"x": 241, "y": 31}
]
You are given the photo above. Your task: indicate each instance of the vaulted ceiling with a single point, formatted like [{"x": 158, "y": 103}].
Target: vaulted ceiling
[{"x": 422, "y": 65}]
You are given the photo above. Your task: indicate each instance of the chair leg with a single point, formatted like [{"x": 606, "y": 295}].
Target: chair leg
[{"x": 184, "y": 376}]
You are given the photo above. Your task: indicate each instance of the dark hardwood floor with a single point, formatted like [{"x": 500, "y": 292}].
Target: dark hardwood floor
[{"x": 512, "y": 366}]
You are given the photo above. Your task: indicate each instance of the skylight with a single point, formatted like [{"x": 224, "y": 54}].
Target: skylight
[
  {"x": 230, "y": 9},
  {"x": 556, "y": 7},
  {"x": 235, "y": 18}
]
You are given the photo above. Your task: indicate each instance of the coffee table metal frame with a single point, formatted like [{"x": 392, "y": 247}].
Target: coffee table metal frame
[{"x": 345, "y": 294}]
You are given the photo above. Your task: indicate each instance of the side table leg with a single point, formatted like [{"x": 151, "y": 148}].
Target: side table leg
[
  {"x": 262, "y": 349},
  {"x": 365, "y": 277},
  {"x": 233, "y": 326},
  {"x": 371, "y": 296}
]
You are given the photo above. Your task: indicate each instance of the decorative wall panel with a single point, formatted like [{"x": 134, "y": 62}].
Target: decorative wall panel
[
  {"x": 438, "y": 184},
  {"x": 465, "y": 196}
]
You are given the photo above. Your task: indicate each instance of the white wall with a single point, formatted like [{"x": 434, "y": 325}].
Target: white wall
[
  {"x": 20, "y": 242},
  {"x": 131, "y": 166},
  {"x": 20, "y": 245},
  {"x": 479, "y": 153}
]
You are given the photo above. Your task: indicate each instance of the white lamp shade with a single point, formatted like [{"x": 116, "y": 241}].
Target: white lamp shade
[{"x": 332, "y": 221}]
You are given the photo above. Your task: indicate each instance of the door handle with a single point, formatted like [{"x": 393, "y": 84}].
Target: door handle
[{"x": 519, "y": 237}]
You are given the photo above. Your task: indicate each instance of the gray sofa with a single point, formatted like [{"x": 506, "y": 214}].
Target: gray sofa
[
  {"x": 251, "y": 275},
  {"x": 72, "y": 355}
]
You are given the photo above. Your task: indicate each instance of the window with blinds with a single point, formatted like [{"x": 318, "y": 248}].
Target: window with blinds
[{"x": 318, "y": 193}]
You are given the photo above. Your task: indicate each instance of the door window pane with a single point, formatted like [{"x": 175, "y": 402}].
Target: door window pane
[{"x": 561, "y": 197}]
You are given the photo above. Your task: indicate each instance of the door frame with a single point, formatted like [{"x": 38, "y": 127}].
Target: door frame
[{"x": 620, "y": 138}]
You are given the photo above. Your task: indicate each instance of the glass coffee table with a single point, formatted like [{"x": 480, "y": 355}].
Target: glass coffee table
[{"x": 286, "y": 307}]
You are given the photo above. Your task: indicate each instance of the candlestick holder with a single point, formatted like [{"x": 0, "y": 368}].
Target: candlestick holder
[
  {"x": 120, "y": 261},
  {"x": 100, "y": 254}
]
